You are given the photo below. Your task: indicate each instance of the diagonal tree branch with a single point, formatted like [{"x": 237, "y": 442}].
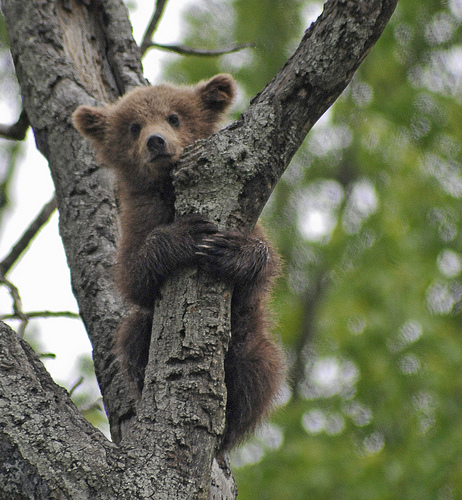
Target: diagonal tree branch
[
  {"x": 66, "y": 457},
  {"x": 275, "y": 124}
]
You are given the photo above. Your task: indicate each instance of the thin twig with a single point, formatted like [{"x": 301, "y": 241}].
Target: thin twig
[
  {"x": 7, "y": 177},
  {"x": 46, "y": 355},
  {"x": 75, "y": 386},
  {"x": 17, "y": 305},
  {"x": 190, "y": 51},
  {"x": 28, "y": 235},
  {"x": 311, "y": 302},
  {"x": 41, "y": 314},
  {"x": 158, "y": 11},
  {"x": 17, "y": 131}
]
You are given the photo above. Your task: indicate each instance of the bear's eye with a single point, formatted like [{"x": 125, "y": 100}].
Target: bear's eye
[
  {"x": 174, "y": 120},
  {"x": 135, "y": 129}
]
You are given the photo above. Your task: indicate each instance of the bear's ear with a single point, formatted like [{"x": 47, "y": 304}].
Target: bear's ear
[
  {"x": 218, "y": 92},
  {"x": 90, "y": 122}
]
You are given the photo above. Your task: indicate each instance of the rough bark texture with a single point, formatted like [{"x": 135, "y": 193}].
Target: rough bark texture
[
  {"x": 44, "y": 442},
  {"x": 68, "y": 53}
]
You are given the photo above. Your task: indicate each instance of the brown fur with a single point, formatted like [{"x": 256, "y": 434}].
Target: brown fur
[{"x": 141, "y": 137}]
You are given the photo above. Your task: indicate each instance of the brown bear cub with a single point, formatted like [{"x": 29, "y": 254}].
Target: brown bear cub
[{"x": 141, "y": 137}]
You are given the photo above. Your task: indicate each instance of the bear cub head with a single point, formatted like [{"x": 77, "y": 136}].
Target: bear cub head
[{"x": 144, "y": 132}]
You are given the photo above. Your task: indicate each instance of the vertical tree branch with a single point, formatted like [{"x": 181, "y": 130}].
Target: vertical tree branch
[{"x": 66, "y": 54}]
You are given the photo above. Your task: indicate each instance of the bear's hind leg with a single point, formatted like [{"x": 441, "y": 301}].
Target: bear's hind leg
[
  {"x": 254, "y": 371},
  {"x": 132, "y": 344}
]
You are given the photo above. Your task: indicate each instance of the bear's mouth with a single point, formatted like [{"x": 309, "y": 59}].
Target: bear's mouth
[{"x": 160, "y": 157}]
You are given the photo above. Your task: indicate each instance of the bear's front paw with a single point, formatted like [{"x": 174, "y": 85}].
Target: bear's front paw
[
  {"x": 233, "y": 256},
  {"x": 196, "y": 226}
]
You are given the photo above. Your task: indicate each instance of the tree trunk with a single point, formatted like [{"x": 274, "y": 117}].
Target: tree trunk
[{"x": 71, "y": 52}]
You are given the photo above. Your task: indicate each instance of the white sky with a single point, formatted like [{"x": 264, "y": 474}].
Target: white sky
[{"x": 42, "y": 275}]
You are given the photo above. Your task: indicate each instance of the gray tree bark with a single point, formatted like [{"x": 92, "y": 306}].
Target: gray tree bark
[{"x": 71, "y": 52}]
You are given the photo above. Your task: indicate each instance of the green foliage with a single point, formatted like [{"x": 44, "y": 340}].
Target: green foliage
[
  {"x": 367, "y": 219},
  {"x": 270, "y": 25}
]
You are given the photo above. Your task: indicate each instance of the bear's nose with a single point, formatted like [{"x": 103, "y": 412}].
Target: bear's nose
[{"x": 156, "y": 143}]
